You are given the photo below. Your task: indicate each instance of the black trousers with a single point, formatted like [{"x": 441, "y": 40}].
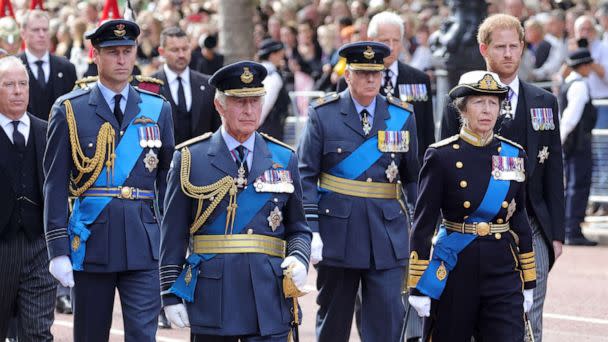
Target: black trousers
[
  {"x": 27, "y": 288},
  {"x": 210, "y": 338},
  {"x": 483, "y": 296}
]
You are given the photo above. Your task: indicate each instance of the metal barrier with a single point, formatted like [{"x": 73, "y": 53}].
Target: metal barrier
[{"x": 599, "y": 179}]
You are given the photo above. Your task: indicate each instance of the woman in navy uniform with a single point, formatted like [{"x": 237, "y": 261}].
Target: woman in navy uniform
[{"x": 482, "y": 253}]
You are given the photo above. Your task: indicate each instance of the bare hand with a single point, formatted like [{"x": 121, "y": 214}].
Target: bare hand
[{"x": 557, "y": 248}]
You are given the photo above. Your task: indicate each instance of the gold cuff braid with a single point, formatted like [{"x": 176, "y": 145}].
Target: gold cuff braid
[
  {"x": 416, "y": 269},
  {"x": 528, "y": 266}
]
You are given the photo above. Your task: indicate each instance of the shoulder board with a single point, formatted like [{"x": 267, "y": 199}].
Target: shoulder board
[
  {"x": 189, "y": 142},
  {"x": 509, "y": 141},
  {"x": 276, "y": 141},
  {"x": 325, "y": 99},
  {"x": 148, "y": 92},
  {"x": 402, "y": 104},
  {"x": 74, "y": 94},
  {"x": 445, "y": 141},
  {"x": 149, "y": 79},
  {"x": 85, "y": 82}
]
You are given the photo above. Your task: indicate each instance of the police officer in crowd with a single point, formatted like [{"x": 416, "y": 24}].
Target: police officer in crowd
[
  {"x": 109, "y": 148},
  {"x": 234, "y": 203},
  {"x": 483, "y": 248},
  {"x": 529, "y": 117},
  {"x": 28, "y": 289},
  {"x": 358, "y": 152},
  {"x": 578, "y": 119}
]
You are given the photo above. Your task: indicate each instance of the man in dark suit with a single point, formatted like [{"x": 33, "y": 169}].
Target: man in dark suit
[
  {"x": 50, "y": 76},
  {"x": 401, "y": 80},
  {"x": 188, "y": 91},
  {"x": 530, "y": 118},
  {"x": 27, "y": 286},
  {"x": 118, "y": 162}
]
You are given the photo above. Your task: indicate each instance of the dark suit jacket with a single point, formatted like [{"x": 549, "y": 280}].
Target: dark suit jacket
[
  {"x": 423, "y": 110},
  {"x": 7, "y": 195},
  {"x": 545, "y": 187},
  {"x": 204, "y": 116}
]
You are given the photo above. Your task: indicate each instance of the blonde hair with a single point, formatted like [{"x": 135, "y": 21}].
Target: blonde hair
[{"x": 495, "y": 22}]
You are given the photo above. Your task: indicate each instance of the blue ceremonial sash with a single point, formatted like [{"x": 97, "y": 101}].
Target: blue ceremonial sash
[
  {"x": 250, "y": 202},
  {"x": 447, "y": 247},
  {"x": 87, "y": 209},
  {"x": 367, "y": 153}
]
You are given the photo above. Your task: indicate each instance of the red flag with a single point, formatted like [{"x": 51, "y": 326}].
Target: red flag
[
  {"x": 39, "y": 4},
  {"x": 6, "y": 9},
  {"x": 110, "y": 5}
]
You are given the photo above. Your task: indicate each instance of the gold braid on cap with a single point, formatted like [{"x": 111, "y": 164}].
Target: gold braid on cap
[
  {"x": 213, "y": 192},
  {"x": 85, "y": 165}
]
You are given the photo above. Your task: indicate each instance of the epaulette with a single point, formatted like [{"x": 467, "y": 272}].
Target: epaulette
[
  {"x": 276, "y": 141},
  {"x": 145, "y": 91},
  {"x": 73, "y": 94},
  {"x": 149, "y": 79},
  {"x": 325, "y": 99},
  {"x": 509, "y": 141},
  {"x": 84, "y": 83},
  {"x": 395, "y": 101},
  {"x": 445, "y": 141},
  {"x": 148, "y": 83},
  {"x": 189, "y": 142}
]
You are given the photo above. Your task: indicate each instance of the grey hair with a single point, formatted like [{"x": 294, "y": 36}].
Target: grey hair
[
  {"x": 10, "y": 63},
  {"x": 582, "y": 19},
  {"x": 220, "y": 97},
  {"x": 388, "y": 18},
  {"x": 460, "y": 104}
]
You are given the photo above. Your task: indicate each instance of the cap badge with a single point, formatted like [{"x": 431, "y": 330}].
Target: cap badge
[
  {"x": 488, "y": 83},
  {"x": 246, "y": 76},
  {"x": 120, "y": 30},
  {"x": 369, "y": 53}
]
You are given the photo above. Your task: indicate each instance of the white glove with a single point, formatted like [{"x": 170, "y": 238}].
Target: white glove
[
  {"x": 61, "y": 268},
  {"x": 528, "y": 299},
  {"x": 177, "y": 315},
  {"x": 422, "y": 304},
  {"x": 299, "y": 272},
  {"x": 316, "y": 249}
]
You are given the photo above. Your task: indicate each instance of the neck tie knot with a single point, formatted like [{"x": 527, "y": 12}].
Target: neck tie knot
[
  {"x": 40, "y": 77},
  {"x": 18, "y": 138}
]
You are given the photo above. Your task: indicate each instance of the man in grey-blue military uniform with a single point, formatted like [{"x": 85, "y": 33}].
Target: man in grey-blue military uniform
[
  {"x": 358, "y": 153},
  {"x": 234, "y": 202},
  {"x": 113, "y": 164}
]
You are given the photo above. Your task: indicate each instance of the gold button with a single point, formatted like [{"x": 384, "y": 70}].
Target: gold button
[
  {"x": 459, "y": 164},
  {"x": 499, "y": 221},
  {"x": 505, "y": 204},
  {"x": 90, "y": 145},
  {"x": 392, "y": 155},
  {"x": 466, "y": 204},
  {"x": 483, "y": 229},
  {"x": 276, "y": 200},
  {"x": 463, "y": 184},
  {"x": 499, "y": 148},
  {"x": 497, "y": 236},
  {"x": 327, "y": 211},
  {"x": 369, "y": 180},
  {"x": 339, "y": 150},
  {"x": 455, "y": 146},
  {"x": 250, "y": 231}
]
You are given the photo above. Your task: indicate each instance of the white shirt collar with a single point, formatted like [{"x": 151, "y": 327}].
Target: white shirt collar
[
  {"x": 514, "y": 85},
  {"x": 5, "y": 120},
  {"x": 394, "y": 68},
  {"x": 232, "y": 143},
  {"x": 108, "y": 94},
  {"x": 172, "y": 76},
  {"x": 32, "y": 59}
]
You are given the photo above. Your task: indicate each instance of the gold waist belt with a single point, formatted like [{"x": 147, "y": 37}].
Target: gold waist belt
[
  {"x": 239, "y": 243},
  {"x": 360, "y": 189},
  {"x": 478, "y": 228}
]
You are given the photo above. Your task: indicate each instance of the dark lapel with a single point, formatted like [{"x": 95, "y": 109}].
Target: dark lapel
[
  {"x": 262, "y": 158},
  {"x": 38, "y": 131},
  {"x": 102, "y": 108},
  {"x": 380, "y": 115},
  {"x": 533, "y": 100},
  {"x": 220, "y": 156},
  {"x": 132, "y": 108},
  {"x": 54, "y": 78},
  {"x": 349, "y": 113},
  {"x": 196, "y": 83},
  {"x": 27, "y": 66},
  {"x": 165, "y": 90}
]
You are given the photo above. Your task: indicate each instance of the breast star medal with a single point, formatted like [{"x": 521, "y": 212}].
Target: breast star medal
[
  {"x": 511, "y": 209},
  {"x": 240, "y": 180},
  {"x": 543, "y": 155},
  {"x": 151, "y": 161},
  {"x": 391, "y": 171},
  {"x": 275, "y": 218},
  {"x": 367, "y": 126}
]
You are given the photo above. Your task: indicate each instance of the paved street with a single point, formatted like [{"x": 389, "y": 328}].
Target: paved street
[{"x": 576, "y": 307}]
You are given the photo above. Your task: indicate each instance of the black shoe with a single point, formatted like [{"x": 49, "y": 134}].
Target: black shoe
[
  {"x": 414, "y": 339},
  {"x": 64, "y": 305},
  {"x": 579, "y": 241},
  {"x": 163, "y": 322}
]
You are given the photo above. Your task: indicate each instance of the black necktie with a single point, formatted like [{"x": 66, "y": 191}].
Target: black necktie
[
  {"x": 18, "y": 138},
  {"x": 40, "y": 76},
  {"x": 117, "y": 112},
  {"x": 181, "y": 96},
  {"x": 388, "y": 83},
  {"x": 242, "y": 160}
]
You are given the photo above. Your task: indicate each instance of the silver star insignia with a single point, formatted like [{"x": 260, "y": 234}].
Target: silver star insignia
[{"x": 543, "y": 154}]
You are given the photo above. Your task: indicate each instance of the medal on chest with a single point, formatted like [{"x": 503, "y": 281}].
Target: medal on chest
[
  {"x": 394, "y": 141},
  {"x": 275, "y": 218},
  {"x": 274, "y": 181},
  {"x": 151, "y": 161},
  {"x": 542, "y": 119},
  {"x": 508, "y": 168}
]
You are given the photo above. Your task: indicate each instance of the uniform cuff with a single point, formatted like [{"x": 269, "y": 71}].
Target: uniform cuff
[
  {"x": 299, "y": 247},
  {"x": 416, "y": 269},
  {"x": 311, "y": 211},
  {"x": 528, "y": 267},
  {"x": 170, "y": 299},
  {"x": 58, "y": 242}
]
